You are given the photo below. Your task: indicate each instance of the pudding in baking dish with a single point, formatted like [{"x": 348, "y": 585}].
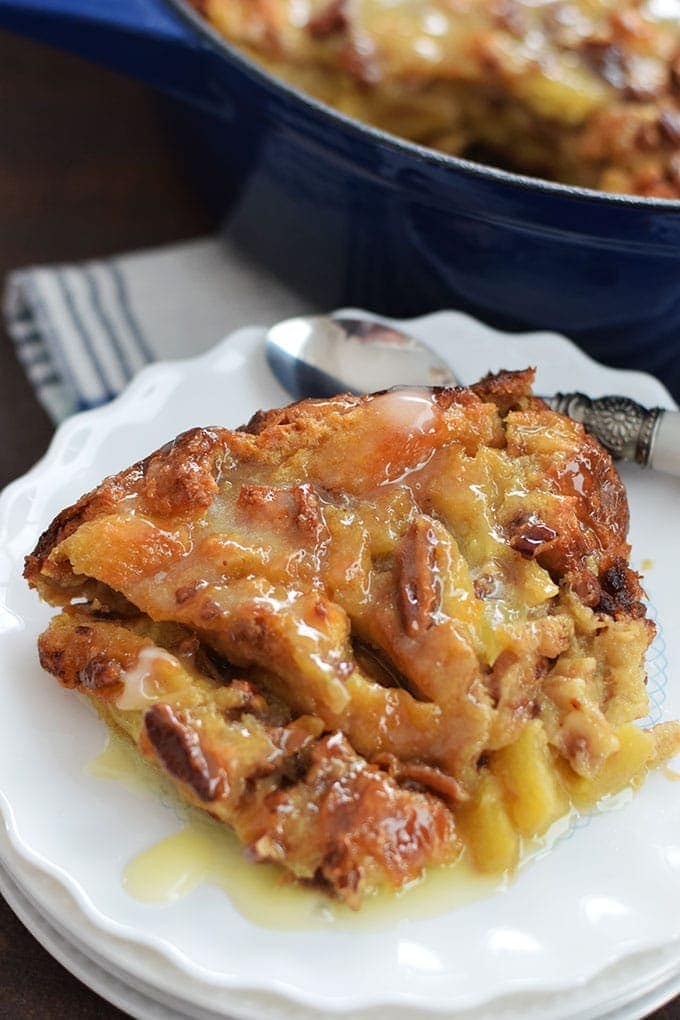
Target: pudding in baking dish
[
  {"x": 586, "y": 92},
  {"x": 371, "y": 634}
]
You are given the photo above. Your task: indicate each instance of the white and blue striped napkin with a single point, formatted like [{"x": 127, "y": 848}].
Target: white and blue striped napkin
[{"x": 82, "y": 331}]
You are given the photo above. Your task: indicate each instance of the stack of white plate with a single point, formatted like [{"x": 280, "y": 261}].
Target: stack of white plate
[{"x": 590, "y": 929}]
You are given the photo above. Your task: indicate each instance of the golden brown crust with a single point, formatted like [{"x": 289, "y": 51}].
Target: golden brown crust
[
  {"x": 176, "y": 479},
  {"x": 508, "y": 390},
  {"x": 181, "y": 479}
]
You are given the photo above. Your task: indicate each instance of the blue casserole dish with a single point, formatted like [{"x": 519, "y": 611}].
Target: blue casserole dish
[{"x": 350, "y": 215}]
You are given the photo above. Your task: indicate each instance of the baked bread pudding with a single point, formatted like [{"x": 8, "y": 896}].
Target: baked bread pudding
[
  {"x": 369, "y": 633},
  {"x": 586, "y": 92}
]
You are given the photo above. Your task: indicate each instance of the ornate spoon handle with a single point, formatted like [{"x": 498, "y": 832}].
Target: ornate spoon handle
[{"x": 648, "y": 436}]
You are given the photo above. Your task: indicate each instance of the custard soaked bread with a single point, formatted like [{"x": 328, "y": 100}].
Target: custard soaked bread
[
  {"x": 368, "y": 632},
  {"x": 581, "y": 91}
]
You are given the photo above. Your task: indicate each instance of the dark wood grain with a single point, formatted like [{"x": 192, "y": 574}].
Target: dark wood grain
[{"x": 87, "y": 168}]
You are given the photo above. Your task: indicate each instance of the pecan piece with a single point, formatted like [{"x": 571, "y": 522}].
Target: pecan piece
[
  {"x": 179, "y": 749},
  {"x": 100, "y": 672},
  {"x": 276, "y": 507},
  {"x": 529, "y": 536},
  {"x": 418, "y": 583},
  {"x": 329, "y": 20},
  {"x": 418, "y": 775},
  {"x": 308, "y": 511}
]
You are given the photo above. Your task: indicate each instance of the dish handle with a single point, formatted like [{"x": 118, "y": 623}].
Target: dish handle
[{"x": 146, "y": 39}]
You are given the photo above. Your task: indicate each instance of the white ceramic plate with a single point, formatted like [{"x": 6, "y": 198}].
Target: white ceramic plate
[
  {"x": 626, "y": 991},
  {"x": 608, "y": 892}
]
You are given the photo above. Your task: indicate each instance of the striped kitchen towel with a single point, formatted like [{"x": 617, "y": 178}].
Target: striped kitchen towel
[{"x": 82, "y": 331}]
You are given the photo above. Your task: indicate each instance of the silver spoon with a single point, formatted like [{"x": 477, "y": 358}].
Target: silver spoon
[{"x": 319, "y": 356}]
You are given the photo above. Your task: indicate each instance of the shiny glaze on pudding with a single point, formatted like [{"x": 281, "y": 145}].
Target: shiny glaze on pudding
[{"x": 371, "y": 634}]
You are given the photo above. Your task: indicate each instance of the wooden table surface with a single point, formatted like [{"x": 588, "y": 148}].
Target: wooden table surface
[{"x": 87, "y": 168}]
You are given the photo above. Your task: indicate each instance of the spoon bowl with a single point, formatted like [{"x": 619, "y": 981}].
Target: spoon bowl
[{"x": 319, "y": 356}]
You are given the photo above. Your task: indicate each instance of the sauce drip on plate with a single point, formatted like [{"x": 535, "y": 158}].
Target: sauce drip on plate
[{"x": 205, "y": 852}]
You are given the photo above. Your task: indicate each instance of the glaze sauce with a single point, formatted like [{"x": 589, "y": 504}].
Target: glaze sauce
[{"x": 204, "y": 851}]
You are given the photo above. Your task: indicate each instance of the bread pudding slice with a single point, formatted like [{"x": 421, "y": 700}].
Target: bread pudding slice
[
  {"x": 581, "y": 91},
  {"x": 369, "y": 633}
]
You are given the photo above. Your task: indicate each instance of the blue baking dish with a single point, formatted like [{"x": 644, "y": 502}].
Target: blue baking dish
[{"x": 350, "y": 215}]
